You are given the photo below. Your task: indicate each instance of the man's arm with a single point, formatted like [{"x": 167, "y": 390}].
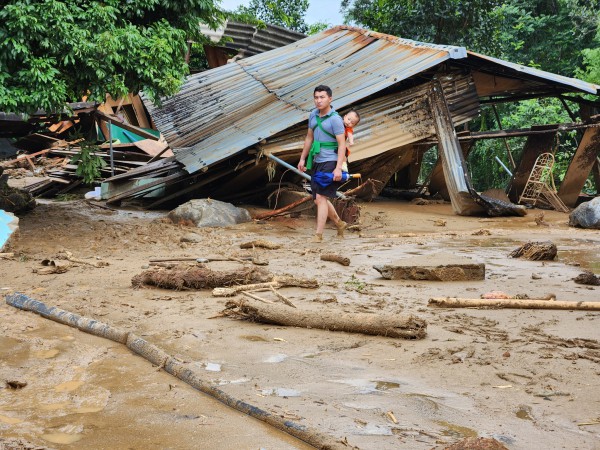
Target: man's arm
[
  {"x": 308, "y": 141},
  {"x": 341, "y": 156}
]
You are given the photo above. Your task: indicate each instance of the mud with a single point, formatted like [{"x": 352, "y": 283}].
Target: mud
[{"x": 527, "y": 378}]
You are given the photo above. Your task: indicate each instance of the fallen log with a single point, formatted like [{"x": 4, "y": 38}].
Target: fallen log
[
  {"x": 453, "y": 302},
  {"x": 397, "y": 326}
]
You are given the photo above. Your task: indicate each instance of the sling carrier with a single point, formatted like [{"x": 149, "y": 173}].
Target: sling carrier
[{"x": 317, "y": 145}]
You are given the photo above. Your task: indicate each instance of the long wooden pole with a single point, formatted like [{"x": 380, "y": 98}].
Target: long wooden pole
[{"x": 453, "y": 302}]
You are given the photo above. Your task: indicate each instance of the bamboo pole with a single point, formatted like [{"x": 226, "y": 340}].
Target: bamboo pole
[{"x": 510, "y": 303}]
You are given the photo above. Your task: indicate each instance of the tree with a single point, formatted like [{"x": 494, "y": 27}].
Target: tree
[
  {"x": 286, "y": 13},
  {"x": 54, "y": 52},
  {"x": 449, "y": 22}
]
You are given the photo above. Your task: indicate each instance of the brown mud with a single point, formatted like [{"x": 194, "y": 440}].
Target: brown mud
[{"x": 528, "y": 378}]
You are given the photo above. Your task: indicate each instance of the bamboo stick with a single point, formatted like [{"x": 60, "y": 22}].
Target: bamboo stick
[{"x": 453, "y": 302}]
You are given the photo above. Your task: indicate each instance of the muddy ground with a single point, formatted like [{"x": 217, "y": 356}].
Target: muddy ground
[{"x": 529, "y": 378}]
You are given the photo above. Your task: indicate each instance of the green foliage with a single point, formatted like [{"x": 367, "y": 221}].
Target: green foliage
[
  {"x": 67, "y": 197},
  {"x": 317, "y": 27},
  {"x": 56, "y": 52},
  {"x": 449, "y": 22},
  {"x": 88, "y": 164},
  {"x": 286, "y": 13},
  {"x": 354, "y": 284}
]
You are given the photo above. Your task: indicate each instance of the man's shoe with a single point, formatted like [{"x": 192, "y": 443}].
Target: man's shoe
[{"x": 341, "y": 226}]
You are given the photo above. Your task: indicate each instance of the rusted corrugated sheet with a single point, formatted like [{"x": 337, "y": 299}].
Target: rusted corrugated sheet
[
  {"x": 250, "y": 39},
  {"x": 533, "y": 74},
  {"x": 394, "y": 120},
  {"x": 220, "y": 112}
]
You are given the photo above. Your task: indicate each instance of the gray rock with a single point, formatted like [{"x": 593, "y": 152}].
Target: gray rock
[
  {"x": 586, "y": 215},
  {"x": 209, "y": 213}
]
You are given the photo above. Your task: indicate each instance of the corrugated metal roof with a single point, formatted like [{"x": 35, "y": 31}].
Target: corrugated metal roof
[
  {"x": 251, "y": 39},
  {"x": 220, "y": 112},
  {"x": 537, "y": 73}
]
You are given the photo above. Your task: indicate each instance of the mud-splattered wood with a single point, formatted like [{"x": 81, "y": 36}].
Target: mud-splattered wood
[
  {"x": 396, "y": 326},
  {"x": 344, "y": 261},
  {"x": 453, "y": 302},
  {"x": 261, "y": 244},
  {"x": 278, "y": 282},
  {"x": 436, "y": 267}
]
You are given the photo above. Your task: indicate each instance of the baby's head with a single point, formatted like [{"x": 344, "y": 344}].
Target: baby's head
[{"x": 351, "y": 118}]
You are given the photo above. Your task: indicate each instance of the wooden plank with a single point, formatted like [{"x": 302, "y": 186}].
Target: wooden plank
[
  {"x": 144, "y": 189},
  {"x": 154, "y": 148},
  {"x": 580, "y": 167}
]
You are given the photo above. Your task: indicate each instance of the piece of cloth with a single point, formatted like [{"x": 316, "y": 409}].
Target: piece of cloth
[
  {"x": 316, "y": 188},
  {"x": 348, "y": 131},
  {"x": 333, "y": 126}
]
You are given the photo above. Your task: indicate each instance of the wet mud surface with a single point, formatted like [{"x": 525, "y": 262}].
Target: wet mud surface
[{"x": 528, "y": 378}]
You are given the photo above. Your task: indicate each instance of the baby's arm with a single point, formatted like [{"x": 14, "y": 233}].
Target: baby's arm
[{"x": 350, "y": 138}]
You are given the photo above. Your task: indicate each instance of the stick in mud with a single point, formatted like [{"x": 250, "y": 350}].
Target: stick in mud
[
  {"x": 173, "y": 366},
  {"x": 509, "y": 303},
  {"x": 396, "y": 326},
  {"x": 344, "y": 261}
]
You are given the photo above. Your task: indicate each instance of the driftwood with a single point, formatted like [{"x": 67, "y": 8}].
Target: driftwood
[
  {"x": 283, "y": 210},
  {"x": 344, "y": 261},
  {"x": 277, "y": 282},
  {"x": 200, "y": 259},
  {"x": 397, "y": 326},
  {"x": 262, "y": 244},
  {"x": 192, "y": 277},
  {"x": 536, "y": 251},
  {"x": 453, "y": 302}
]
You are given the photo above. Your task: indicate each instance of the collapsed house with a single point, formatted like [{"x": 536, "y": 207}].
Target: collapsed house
[{"x": 411, "y": 96}]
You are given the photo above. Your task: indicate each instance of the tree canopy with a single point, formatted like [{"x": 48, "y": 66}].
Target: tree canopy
[
  {"x": 54, "y": 52},
  {"x": 285, "y": 13}
]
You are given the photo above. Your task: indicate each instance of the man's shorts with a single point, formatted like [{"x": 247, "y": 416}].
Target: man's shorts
[{"x": 316, "y": 188}]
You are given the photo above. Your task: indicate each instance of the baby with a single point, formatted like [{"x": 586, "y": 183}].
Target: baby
[{"x": 351, "y": 119}]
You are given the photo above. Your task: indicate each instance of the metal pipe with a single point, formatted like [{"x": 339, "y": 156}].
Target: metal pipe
[
  {"x": 295, "y": 170},
  {"x": 502, "y": 164}
]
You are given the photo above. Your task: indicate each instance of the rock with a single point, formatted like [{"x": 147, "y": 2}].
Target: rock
[
  {"x": 437, "y": 267},
  {"x": 190, "y": 237},
  {"x": 209, "y": 213},
  {"x": 586, "y": 215},
  {"x": 536, "y": 251},
  {"x": 588, "y": 278}
]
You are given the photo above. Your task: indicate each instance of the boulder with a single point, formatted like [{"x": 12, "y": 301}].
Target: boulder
[
  {"x": 208, "y": 213},
  {"x": 586, "y": 215}
]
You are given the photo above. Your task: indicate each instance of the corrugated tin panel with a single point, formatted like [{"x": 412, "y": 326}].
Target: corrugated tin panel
[
  {"x": 570, "y": 82},
  {"x": 251, "y": 39},
  {"x": 394, "y": 120},
  {"x": 225, "y": 110}
]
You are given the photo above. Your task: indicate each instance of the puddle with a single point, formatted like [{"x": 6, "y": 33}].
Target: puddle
[
  {"x": 254, "y": 338},
  {"x": 452, "y": 430},
  {"x": 586, "y": 259},
  {"x": 61, "y": 438},
  {"x": 280, "y": 357},
  {"x": 46, "y": 354},
  {"x": 281, "y": 392},
  {"x": 524, "y": 413},
  {"x": 69, "y": 386},
  {"x": 212, "y": 367},
  {"x": 10, "y": 420},
  {"x": 368, "y": 386},
  {"x": 374, "y": 430}
]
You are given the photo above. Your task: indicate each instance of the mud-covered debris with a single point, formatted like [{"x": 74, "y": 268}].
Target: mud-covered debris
[
  {"x": 482, "y": 232},
  {"x": 472, "y": 443},
  {"x": 15, "y": 384},
  {"x": 261, "y": 244},
  {"x": 536, "y": 251},
  {"x": 343, "y": 260},
  {"x": 587, "y": 278},
  {"x": 193, "y": 277}
]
